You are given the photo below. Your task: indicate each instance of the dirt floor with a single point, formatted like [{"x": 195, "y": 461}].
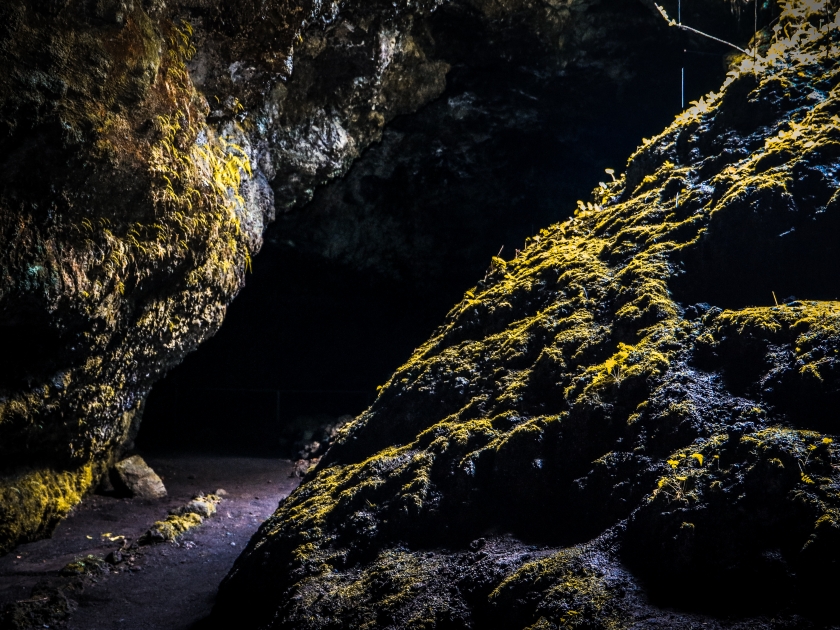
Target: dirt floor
[{"x": 165, "y": 586}]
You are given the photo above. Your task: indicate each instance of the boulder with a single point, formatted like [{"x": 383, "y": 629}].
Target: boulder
[{"x": 134, "y": 476}]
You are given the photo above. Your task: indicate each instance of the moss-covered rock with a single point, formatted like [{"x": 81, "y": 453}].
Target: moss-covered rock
[
  {"x": 586, "y": 389},
  {"x": 146, "y": 146},
  {"x": 182, "y": 519},
  {"x": 33, "y": 502},
  {"x": 120, "y": 217}
]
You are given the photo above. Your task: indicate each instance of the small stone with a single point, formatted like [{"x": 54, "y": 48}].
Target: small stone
[
  {"x": 134, "y": 476},
  {"x": 221, "y": 492},
  {"x": 115, "y": 557},
  {"x": 204, "y": 507},
  {"x": 301, "y": 467}
]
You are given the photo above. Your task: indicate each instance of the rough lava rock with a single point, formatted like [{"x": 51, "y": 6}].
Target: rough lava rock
[
  {"x": 135, "y": 190},
  {"x": 146, "y": 145},
  {"x": 134, "y": 476},
  {"x": 628, "y": 425}
]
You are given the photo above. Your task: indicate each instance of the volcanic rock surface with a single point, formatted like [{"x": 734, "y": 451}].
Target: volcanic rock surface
[
  {"x": 136, "y": 478},
  {"x": 147, "y": 144},
  {"x": 636, "y": 413}
]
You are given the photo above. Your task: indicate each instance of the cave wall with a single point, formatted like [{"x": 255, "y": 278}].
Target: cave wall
[
  {"x": 146, "y": 147},
  {"x": 346, "y": 287},
  {"x": 131, "y": 208}
]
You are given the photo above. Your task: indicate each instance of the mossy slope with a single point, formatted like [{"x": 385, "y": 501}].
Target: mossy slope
[{"x": 587, "y": 390}]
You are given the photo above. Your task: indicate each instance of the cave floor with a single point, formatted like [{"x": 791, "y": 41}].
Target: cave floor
[{"x": 168, "y": 585}]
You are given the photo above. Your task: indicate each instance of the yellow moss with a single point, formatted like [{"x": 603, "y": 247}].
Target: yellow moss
[
  {"x": 183, "y": 519},
  {"x": 34, "y": 502},
  {"x": 809, "y": 324},
  {"x": 174, "y": 525},
  {"x": 574, "y": 591},
  {"x": 183, "y": 180},
  {"x": 680, "y": 483},
  {"x": 611, "y": 255},
  {"x": 584, "y": 311},
  {"x": 628, "y": 362}
]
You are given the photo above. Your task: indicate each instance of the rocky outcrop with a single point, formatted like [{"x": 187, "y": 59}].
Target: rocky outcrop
[
  {"x": 124, "y": 236},
  {"x": 146, "y": 145},
  {"x": 629, "y": 416}
]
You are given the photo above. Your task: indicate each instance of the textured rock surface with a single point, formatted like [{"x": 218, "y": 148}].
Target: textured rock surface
[
  {"x": 522, "y": 123},
  {"x": 623, "y": 404},
  {"x": 146, "y": 145},
  {"x": 137, "y": 478},
  {"x": 123, "y": 231}
]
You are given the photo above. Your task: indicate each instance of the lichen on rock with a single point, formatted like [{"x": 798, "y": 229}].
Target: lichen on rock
[
  {"x": 135, "y": 191},
  {"x": 629, "y": 379},
  {"x": 182, "y": 519}
]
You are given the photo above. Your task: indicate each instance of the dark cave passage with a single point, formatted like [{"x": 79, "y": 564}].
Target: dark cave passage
[
  {"x": 306, "y": 339},
  {"x": 347, "y": 287}
]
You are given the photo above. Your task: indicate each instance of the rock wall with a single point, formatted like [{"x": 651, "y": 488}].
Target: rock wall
[
  {"x": 146, "y": 145},
  {"x": 629, "y": 416},
  {"x": 135, "y": 191}
]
